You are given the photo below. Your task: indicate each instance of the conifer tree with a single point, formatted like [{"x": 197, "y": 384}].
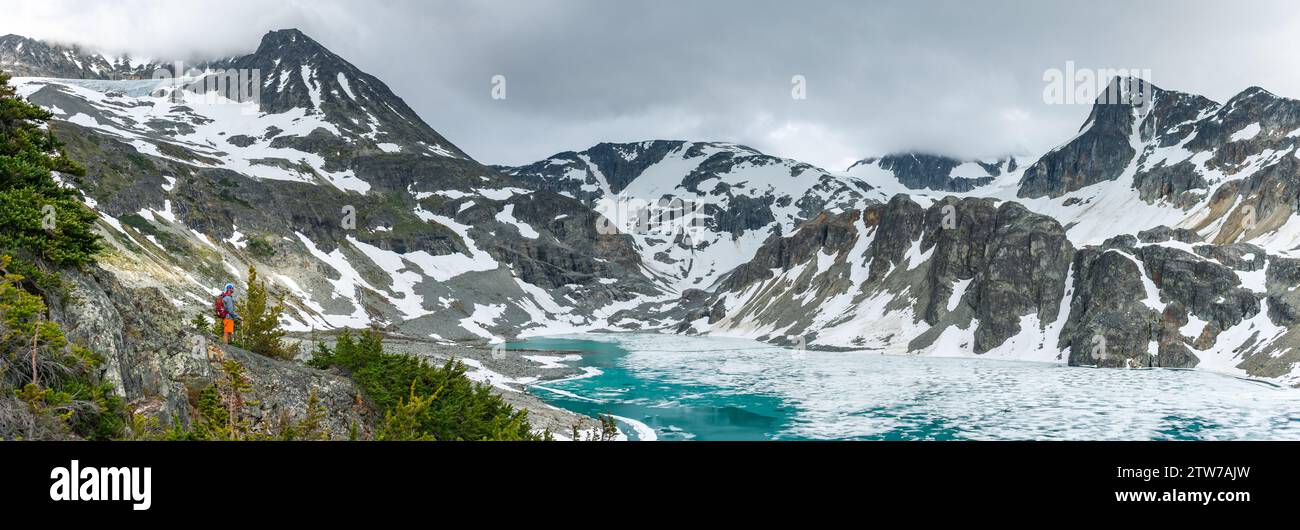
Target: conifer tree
[
  {"x": 260, "y": 331},
  {"x": 41, "y": 220},
  {"x": 49, "y": 388},
  {"x": 420, "y": 401}
]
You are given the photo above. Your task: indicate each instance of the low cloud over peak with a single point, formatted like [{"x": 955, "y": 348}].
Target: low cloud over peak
[{"x": 963, "y": 79}]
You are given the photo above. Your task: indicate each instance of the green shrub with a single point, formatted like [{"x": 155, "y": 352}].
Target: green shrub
[
  {"x": 420, "y": 401},
  {"x": 49, "y": 388},
  {"x": 260, "y": 331},
  {"x": 260, "y": 248}
]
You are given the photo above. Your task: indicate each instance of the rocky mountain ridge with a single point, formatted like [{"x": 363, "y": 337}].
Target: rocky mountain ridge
[
  {"x": 26, "y": 57},
  {"x": 1159, "y": 236},
  {"x": 923, "y": 171}
]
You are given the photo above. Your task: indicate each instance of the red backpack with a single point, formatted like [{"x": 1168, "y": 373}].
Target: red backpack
[{"x": 221, "y": 306}]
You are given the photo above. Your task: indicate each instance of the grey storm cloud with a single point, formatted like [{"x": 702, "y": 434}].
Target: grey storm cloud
[{"x": 963, "y": 78}]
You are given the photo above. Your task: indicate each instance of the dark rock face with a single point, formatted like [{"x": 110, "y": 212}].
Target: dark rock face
[
  {"x": 1172, "y": 348},
  {"x": 1169, "y": 182},
  {"x": 575, "y": 253},
  {"x": 1108, "y": 325},
  {"x": 899, "y": 223},
  {"x": 1209, "y": 290},
  {"x": 744, "y": 214},
  {"x": 1161, "y": 234},
  {"x": 1282, "y": 277},
  {"x": 1028, "y": 258},
  {"x": 620, "y": 168},
  {"x": 1099, "y": 153},
  {"x": 960, "y": 252},
  {"x": 1103, "y": 148},
  {"x": 920, "y": 171},
  {"x": 1238, "y": 256},
  {"x": 1173, "y": 118},
  {"x": 1016, "y": 262},
  {"x": 1111, "y": 323},
  {"x": 1126, "y": 242},
  {"x": 824, "y": 232},
  {"x": 1252, "y": 106}
]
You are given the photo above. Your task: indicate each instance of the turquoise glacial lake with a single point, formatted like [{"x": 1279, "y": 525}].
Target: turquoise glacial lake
[{"x": 668, "y": 387}]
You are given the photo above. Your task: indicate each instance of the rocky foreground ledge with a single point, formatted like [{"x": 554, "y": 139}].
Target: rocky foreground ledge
[{"x": 159, "y": 363}]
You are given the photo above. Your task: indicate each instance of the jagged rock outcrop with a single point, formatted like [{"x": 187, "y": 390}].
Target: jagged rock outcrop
[
  {"x": 350, "y": 204},
  {"x": 824, "y": 232},
  {"x": 1209, "y": 290},
  {"x": 690, "y": 205},
  {"x": 26, "y": 57},
  {"x": 923, "y": 171},
  {"x": 899, "y": 224},
  {"x": 1181, "y": 265},
  {"x": 1100, "y": 152},
  {"x": 1133, "y": 305},
  {"x": 1026, "y": 262},
  {"x": 926, "y": 172},
  {"x": 1161, "y": 234},
  {"x": 1009, "y": 262},
  {"x": 959, "y": 250},
  {"x": 1108, "y": 325},
  {"x": 1283, "y": 277},
  {"x": 160, "y": 366},
  {"x": 1129, "y": 110}
]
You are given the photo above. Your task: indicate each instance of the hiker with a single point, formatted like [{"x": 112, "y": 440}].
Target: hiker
[{"x": 225, "y": 307}]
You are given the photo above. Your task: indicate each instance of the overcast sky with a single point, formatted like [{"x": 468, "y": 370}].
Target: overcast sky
[{"x": 963, "y": 78}]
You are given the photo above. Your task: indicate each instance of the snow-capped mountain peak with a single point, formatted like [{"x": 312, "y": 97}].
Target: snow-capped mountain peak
[
  {"x": 925, "y": 171},
  {"x": 26, "y": 57},
  {"x": 1166, "y": 226},
  {"x": 296, "y": 72},
  {"x": 353, "y": 207},
  {"x": 738, "y": 197}
]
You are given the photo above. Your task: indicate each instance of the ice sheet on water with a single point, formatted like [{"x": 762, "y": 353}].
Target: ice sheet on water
[{"x": 838, "y": 395}]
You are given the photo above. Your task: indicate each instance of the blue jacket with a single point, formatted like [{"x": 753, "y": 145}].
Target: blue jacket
[{"x": 228, "y": 302}]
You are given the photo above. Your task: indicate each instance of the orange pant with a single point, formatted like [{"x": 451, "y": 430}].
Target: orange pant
[{"x": 228, "y": 325}]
